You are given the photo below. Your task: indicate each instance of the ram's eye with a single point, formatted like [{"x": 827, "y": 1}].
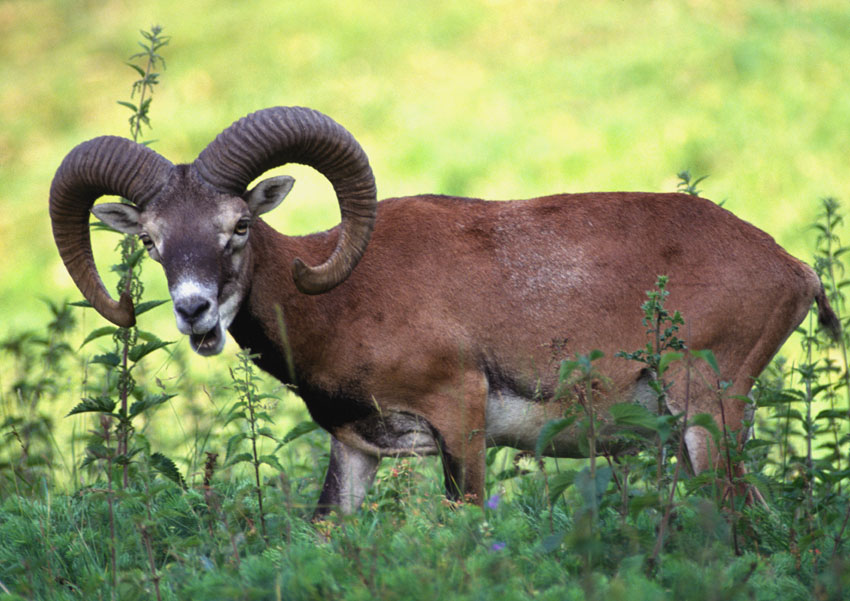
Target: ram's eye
[
  {"x": 146, "y": 240},
  {"x": 241, "y": 227}
]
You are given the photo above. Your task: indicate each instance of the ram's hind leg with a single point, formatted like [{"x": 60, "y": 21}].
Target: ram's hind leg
[
  {"x": 732, "y": 412},
  {"x": 699, "y": 391}
]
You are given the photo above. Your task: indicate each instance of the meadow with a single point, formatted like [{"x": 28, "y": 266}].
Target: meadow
[{"x": 496, "y": 99}]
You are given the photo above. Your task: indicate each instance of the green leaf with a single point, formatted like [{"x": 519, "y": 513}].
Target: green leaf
[
  {"x": 133, "y": 259},
  {"x": 777, "y": 398},
  {"x": 130, "y": 263},
  {"x": 109, "y": 359},
  {"x": 791, "y": 414},
  {"x": 640, "y": 503},
  {"x": 98, "y": 451},
  {"x": 137, "y": 69},
  {"x": 591, "y": 489},
  {"x": 165, "y": 466},
  {"x": 299, "y": 430},
  {"x": 272, "y": 461},
  {"x": 706, "y": 421},
  {"x": 553, "y": 541},
  {"x": 667, "y": 359},
  {"x": 232, "y": 443},
  {"x": 267, "y": 432},
  {"x": 148, "y": 305},
  {"x": 240, "y": 458},
  {"x": 549, "y": 431},
  {"x": 263, "y": 415},
  {"x": 559, "y": 483},
  {"x": 831, "y": 414},
  {"x": 81, "y": 303},
  {"x": 140, "y": 351},
  {"x": 126, "y": 458},
  {"x": 567, "y": 368},
  {"x": 632, "y": 414},
  {"x": 234, "y": 415},
  {"x": 491, "y": 455},
  {"x": 664, "y": 425},
  {"x": 101, "y": 404},
  {"x": 706, "y": 478},
  {"x": 148, "y": 402},
  {"x": 708, "y": 356},
  {"x": 147, "y": 336},
  {"x": 104, "y": 331},
  {"x": 129, "y": 105},
  {"x": 89, "y": 459},
  {"x": 757, "y": 443}
]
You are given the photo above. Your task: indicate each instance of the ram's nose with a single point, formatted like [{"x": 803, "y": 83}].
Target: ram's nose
[
  {"x": 192, "y": 309},
  {"x": 195, "y": 307}
]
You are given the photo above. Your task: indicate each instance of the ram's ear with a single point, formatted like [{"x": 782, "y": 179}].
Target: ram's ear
[
  {"x": 119, "y": 216},
  {"x": 268, "y": 194}
]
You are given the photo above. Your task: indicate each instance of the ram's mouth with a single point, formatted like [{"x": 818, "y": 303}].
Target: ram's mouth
[{"x": 209, "y": 343}]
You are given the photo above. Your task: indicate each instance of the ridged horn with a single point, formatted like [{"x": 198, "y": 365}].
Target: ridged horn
[
  {"x": 276, "y": 136},
  {"x": 104, "y": 165}
]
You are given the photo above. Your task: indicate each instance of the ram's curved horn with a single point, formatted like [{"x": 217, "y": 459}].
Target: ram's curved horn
[
  {"x": 281, "y": 135},
  {"x": 105, "y": 165}
]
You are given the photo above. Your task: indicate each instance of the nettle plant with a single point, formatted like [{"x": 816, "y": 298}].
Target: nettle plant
[
  {"x": 116, "y": 397},
  {"x": 37, "y": 379}
]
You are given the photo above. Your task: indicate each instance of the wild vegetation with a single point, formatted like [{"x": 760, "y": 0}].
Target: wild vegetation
[
  {"x": 185, "y": 522},
  {"x": 169, "y": 483}
]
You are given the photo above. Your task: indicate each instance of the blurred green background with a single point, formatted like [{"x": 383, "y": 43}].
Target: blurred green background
[{"x": 489, "y": 98}]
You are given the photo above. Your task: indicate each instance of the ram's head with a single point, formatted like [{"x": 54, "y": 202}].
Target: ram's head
[{"x": 196, "y": 219}]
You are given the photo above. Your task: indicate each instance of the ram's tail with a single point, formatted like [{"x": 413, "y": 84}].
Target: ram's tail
[{"x": 827, "y": 318}]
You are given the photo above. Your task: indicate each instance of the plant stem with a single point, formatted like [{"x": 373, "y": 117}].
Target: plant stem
[
  {"x": 840, "y": 534},
  {"x": 254, "y": 436},
  {"x": 807, "y": 380},
  {"x": 662, "y": 527},
  {"x": 105, "y": 424},
  {"x": 831, "y": 207},
  {"x": 727, "y": 441},
  {"x": 248, "y": 390},
  {"x": 146, "y": 537},
  {"x": 124, "y": 391}
]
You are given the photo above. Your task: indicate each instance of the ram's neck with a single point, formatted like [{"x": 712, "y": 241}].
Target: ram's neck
[{"x": 275, "y": 320}]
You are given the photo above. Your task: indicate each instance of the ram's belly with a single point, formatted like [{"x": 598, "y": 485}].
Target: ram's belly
[
  {"x": 511, "y": 420},
  {"x": 516, "y": 421}
]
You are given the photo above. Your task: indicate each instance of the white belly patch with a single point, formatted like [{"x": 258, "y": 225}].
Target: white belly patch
[{"x": 516, "y": 421}]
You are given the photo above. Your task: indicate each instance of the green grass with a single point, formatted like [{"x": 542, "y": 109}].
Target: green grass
[{"x": 411, "y": 546}]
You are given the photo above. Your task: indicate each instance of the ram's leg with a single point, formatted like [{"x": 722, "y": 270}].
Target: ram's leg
[
  {"x": 464, "y": 472},
  {"x": 731, "y": 411},
  {"x": 350, "y": 474},
  {"x": 460, "y": 423},
  {"x": 695, "y": 388}
]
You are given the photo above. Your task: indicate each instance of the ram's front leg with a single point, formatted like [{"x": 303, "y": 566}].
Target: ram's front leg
[
  {"x": 350, "y": 474},
  {"x": 460, "y": 425}
]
